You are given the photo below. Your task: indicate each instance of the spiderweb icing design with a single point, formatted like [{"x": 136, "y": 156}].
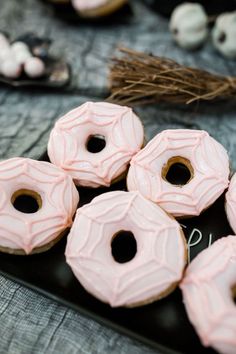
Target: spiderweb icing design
[
  {"x": 123, "y": 134},
  {"x": 207, "y": 293},
  {"x": 160, "y": 256},
  {"x": 208, "y": 158},
  {"x": 59, "y": 201}
]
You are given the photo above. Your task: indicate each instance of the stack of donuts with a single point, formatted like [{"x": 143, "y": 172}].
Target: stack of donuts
[{"x": 96, "y": 145}]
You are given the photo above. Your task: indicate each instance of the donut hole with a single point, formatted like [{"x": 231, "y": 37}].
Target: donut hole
[
  {"x": 26, "y": 201},
  {"x": 234, "y": 294},
  {"x": 177, "y": 171},
  {"x": 123, "y": 246},
  {"x": 95, "y": 143}
]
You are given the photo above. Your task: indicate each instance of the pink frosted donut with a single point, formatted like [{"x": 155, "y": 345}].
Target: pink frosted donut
[
  {"x": 53, "y": 194},
  {"x": 81, "y": 5},
  {"x": 230, "y": 205},
  {"x": 208, "y": 295},
  {"x": 116, "y": 127},
  {"x": 205, "y": 159},
  {"x": 96, "y": 8},
  {"x": 159, "y": 261}
]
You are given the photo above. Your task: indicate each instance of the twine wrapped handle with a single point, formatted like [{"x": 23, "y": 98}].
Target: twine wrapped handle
[{"x": 138, "y": 78}]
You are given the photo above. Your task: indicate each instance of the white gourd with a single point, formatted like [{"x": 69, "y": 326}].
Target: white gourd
[{"x": 189, "y": 25}]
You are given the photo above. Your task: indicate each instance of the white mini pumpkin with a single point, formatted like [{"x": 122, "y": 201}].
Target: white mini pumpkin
[
  {"x": 224, "y": 34},
  {"x": 189, "y": 25}
]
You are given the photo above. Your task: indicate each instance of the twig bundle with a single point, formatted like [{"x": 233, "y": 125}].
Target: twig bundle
[{"x": 138, "y": 78}]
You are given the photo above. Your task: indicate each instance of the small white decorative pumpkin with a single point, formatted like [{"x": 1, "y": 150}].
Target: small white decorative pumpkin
[
  {"x": 224, "y": 34},
  {"x": 189, "y": 25}
]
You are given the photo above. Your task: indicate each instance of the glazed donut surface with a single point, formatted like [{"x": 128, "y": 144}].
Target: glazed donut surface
[
  {"x": 206, "y": 160},
  {"x": 208, "y": 291},
  {"x": 81, "y": 5},
  {"x": 157, "y": 266},
  {"x": 97, "y": 8},
  {"x": 55, "y": 194},
  {"x": 230, "y": 205},
  {"x": 118, "y": 126}
]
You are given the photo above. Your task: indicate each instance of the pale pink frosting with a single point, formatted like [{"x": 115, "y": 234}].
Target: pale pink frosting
[
  {"x": 158, "y": 263},
  {"x": 59, "y": 196},
  {"x": 231, "y": 203},
  {"x": 209, "y": 160},
  {"x": 82, "y": 5},
  {"x": 207, "y": 293},
  {"x": 124, "y": 136}
]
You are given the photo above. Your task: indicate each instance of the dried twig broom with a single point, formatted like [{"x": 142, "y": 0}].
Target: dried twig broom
[{"x": 138, "y": 78}]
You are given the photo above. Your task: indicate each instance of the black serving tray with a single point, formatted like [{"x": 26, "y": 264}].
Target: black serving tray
[{"x": 162, "y": 325}]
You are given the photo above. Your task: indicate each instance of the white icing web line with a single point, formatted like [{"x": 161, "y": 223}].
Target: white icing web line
[{"x": 192, "y": 242}]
